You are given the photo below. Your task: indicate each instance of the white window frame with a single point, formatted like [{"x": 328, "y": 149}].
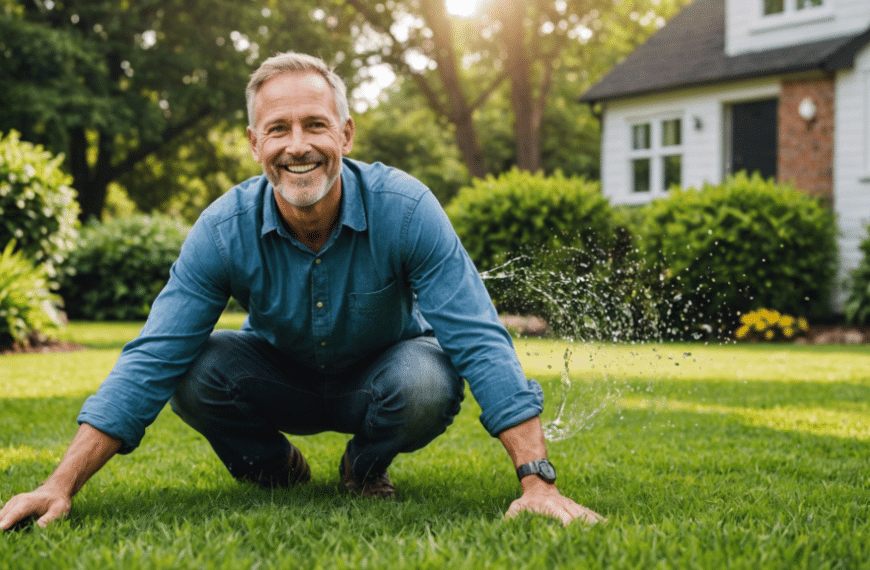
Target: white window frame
[
  {"x": 656, "y": 153},
  {"x": 792, "y": 16}
]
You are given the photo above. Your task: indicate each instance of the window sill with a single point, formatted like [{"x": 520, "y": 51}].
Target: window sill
[{"x": 792, "y": 20}]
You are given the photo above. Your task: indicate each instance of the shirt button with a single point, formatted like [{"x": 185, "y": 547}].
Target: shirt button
[
  {"x": 319, "y": 305},
  {"x": 317, "y": 261},
  {"x": 323, "y": 343}
]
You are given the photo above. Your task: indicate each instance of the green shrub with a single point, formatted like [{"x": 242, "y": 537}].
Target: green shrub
[
  {"x": 738, "y": 246},
  {"x": 551, "y": 246},
  {"x": 520, "y": 212},
  {"x": 27, "y": 306},
  {"x": 120, "y": 266},
  {"x": 37, "y": 206},
  {"x": 857, "y": 307}
]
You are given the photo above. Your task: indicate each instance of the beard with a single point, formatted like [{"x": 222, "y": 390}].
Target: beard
[{"x": 305, "y": 190}]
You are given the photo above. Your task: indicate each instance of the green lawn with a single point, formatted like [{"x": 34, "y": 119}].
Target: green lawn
[{"x": 701, "y": 457}]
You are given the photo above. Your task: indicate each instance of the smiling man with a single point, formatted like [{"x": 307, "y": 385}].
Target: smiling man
[{"x": 364, "y": 316}]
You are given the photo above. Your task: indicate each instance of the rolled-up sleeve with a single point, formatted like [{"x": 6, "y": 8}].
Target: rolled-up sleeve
[
  {"x": 151, "y": 366},
  {"x": 452, "y": 298}
]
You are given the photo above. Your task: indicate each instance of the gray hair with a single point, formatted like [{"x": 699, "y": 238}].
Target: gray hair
[{"x": 292, "y": 62}]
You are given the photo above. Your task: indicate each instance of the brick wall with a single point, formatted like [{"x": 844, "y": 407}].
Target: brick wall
[{"x": 806, "y": 148}]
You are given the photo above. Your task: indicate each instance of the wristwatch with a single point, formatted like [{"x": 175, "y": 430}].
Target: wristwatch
[{"x": 542, "y": 468}]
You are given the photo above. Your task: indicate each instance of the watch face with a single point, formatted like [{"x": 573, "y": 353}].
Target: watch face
[{"x": 546, "y": 470}]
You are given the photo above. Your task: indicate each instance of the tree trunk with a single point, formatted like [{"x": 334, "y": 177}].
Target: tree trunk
[
  {"x": 91, "y": 192},
  {"x": 526, "y": 120},
  {"x": 459, "y": 111}
]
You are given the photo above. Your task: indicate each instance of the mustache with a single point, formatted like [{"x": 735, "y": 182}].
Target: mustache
[{"x": 306, "y": 158}]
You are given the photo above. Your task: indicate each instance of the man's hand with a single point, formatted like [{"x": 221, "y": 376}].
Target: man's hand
[
  {"x": 525, "y": 443},
  {"x": 88, "y": 452},
  {"x": 542, "y": 498},
  {"x": 47, "y": 504}
]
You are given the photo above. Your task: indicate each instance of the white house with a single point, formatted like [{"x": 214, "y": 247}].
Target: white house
[{"x": 778, "y": 86}]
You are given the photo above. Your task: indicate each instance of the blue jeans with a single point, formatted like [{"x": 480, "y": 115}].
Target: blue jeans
[{"x": 242, "y": 392}]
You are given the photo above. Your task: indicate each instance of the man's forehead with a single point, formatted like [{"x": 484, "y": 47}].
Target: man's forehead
[{"x": 303, "y": 88}]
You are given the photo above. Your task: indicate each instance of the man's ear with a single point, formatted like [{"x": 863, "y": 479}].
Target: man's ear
[
  {"x": 252, "y": 141},
  {"x": 348, "y": 132}
]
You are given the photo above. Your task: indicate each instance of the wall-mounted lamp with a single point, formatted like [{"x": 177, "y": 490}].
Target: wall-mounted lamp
[{"x": 807, "y": 110}]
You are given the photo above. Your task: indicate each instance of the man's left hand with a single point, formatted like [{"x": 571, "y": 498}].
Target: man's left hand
[{"x": 546, "y": 500}]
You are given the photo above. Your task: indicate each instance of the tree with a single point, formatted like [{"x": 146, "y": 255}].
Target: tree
[
  {"x": 403, "y": 132},
  {"x": 459, "y": 63},
  {"x": 112, "y": 82}
]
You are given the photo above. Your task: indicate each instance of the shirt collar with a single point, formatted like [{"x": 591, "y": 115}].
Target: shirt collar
[{"x": 352, "y": 210}]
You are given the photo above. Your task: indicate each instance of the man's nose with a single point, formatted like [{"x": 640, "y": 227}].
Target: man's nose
[{"x": 297, "y": 142}]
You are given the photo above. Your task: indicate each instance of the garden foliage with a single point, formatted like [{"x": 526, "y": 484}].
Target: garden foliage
[
  {"x": 551, "y": 246},
  {"x": 26, "y": 303},
  {"x": 857, "y": 308},
  {"x": 765, "y": 324},
  {"x": 37, "y": 206},
  {"x": 732, "y": 248},
  {"x": 521, "y": 213},
  {"x": 120, "y": 266}
]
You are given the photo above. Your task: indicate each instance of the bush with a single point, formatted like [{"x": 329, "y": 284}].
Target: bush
[
  {"x": 26, "y": 304},
  {"x": 551, "y": 247},
  {"x": 857, "y": 307},
  {"x": 37, "y": 206},
  {"x": 744, "y": 244},
  {"x": 120, "y": 266},
  {"x": 520, "y": 212}
]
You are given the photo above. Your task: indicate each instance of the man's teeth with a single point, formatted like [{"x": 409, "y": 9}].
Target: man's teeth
[{"x": 301, "y": 168}]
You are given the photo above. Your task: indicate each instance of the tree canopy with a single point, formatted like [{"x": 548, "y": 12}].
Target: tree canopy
[
  {"x": 111, "y": 82},
  {"x": 150, "y": 94}
]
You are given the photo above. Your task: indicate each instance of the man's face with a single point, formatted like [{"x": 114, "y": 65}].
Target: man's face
[{"x": 297, "y": 137}]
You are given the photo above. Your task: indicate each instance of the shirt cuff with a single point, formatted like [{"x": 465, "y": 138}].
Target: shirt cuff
[
  {"x": 112, "y": 421},
  {"x": 514, "y": 410}
]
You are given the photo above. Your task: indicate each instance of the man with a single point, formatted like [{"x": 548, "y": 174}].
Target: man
[{"x": 365, "y": 313}]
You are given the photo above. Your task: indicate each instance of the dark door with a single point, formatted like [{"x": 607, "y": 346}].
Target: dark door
[{"x": 753, "y": 137}]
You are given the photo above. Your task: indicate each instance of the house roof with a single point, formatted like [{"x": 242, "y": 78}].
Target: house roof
[{"x": 690, "y": 50}]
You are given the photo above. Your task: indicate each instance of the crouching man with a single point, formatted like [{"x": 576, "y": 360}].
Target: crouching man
[{"x": 365, "y": 314}]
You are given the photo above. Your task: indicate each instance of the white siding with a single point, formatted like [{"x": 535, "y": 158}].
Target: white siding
[
  {"x": 703, "y": 149},
  {"x": 747, "y": 30},
  {"x": 852, "y": 163}
]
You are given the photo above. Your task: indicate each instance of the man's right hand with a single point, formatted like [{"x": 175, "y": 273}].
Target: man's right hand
[
  {"x": 45, "y": 503},
  {"x": 88, "y": 452}
]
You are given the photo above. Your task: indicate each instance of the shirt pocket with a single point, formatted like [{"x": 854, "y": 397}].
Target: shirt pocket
[{"x": 376, "y": 320}]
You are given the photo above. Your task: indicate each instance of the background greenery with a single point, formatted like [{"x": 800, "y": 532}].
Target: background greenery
[
  {"x": 119, "y": 267},
  {"x": 700, "y": 456}
]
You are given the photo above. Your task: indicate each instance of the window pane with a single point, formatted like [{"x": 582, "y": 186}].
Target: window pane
[
  {"x": 640, "y": 136},
  {"x": 773, "y": 7},
  {"x": 640, "y": 168},
  {"x": 673, "y": 169},
  {"x": 801, "y": 4},
  {"x": 671, "y": 132}
]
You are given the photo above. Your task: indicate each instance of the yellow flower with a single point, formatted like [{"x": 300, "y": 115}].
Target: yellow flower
[
  {"x": 768, "y": 334},
  {"x": 788, "y": 332},
  {"x": 749, "y": 318},
  {"x": 803, "y": 324},
  {"x": 742, "y": 332},
  {"x": 786, "y": 321}
]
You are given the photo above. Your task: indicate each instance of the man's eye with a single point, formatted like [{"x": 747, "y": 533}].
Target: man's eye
[{"x": 276, "y": 129}]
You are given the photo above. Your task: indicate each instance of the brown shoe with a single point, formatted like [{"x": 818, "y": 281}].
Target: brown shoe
[
  {"x": 298, "y": 471},
  {"x": 295, "y": 472},
  {"x": 379, "y": 487}
]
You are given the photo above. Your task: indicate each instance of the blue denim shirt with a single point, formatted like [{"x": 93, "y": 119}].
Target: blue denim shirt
[{"x": 393, "y": 269}]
